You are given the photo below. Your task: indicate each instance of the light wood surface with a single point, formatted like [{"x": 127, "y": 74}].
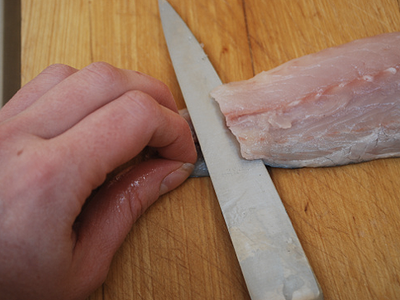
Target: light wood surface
[{"x": 347, "y": 218}]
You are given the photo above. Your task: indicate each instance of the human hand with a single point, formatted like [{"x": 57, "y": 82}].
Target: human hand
[{"x": 60, "y": 135}]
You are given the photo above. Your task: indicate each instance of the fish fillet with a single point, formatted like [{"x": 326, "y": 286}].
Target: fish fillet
[{"x": 338, "y": 106}]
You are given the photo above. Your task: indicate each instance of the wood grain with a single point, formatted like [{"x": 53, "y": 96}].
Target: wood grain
[{"x": 347, "y": 218}]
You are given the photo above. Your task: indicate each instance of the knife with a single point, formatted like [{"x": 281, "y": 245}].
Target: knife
[{"x": 270, "y": 255}]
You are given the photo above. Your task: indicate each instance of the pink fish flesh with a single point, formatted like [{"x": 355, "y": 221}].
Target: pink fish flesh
[{"x": 338, "y": 106}]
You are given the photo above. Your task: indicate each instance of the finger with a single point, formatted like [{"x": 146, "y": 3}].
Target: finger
[
  {"x": 116, "y": 133},
  {"x": 104, "y": 224},
  {"x": 35, "y": 89},
  {"x": 84, "y": 92}
]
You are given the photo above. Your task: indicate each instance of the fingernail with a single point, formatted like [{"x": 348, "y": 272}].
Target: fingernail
[{"x": 174, "y": 179}]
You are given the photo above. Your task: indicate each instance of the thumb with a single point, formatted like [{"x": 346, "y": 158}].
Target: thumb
[{"x": 109, "y": 216}]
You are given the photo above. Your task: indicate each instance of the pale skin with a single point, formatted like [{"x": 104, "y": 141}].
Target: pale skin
[{"x": 60, "y": 135}]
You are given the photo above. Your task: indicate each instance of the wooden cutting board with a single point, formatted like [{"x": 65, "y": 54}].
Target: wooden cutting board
[{"x": 347, "y": 218}]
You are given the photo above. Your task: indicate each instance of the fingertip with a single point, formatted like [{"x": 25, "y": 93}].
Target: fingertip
[{"x": 176, "y": 178}]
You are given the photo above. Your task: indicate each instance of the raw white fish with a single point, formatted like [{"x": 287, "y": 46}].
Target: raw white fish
[{"x": 338, "y": 106}]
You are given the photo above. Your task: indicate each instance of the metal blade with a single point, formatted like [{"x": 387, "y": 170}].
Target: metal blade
[{"x": 270, "y": 255}]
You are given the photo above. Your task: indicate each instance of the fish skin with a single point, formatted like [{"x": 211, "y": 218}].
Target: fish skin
[
  {"x": 200, "y": 167},
  {"x": 334, "y": 107}
]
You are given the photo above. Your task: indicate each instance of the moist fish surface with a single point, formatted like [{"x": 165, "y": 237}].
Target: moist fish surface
[{"x": 335, "y": 107}]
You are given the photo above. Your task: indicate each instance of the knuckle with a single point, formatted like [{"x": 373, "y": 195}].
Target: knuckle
[
  {"x": 103, "y": 73},
  {"x": 33, "y": 171},
  {"x": 10, "y": 137},
  {"x": 59, "y": 70},
  {"x": 141, "y": 103},
  {"x": 164, "y": 89},
  {"x": 165, "y": 94},
  {"x": 136, "y": 204},
  {"x": 41, "y": 167}
]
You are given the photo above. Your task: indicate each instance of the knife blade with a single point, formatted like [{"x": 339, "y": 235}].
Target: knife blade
[{"x": 269, "y": 252}]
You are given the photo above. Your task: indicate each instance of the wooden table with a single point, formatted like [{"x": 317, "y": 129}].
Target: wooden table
[{"x": 347, "y": 218}]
